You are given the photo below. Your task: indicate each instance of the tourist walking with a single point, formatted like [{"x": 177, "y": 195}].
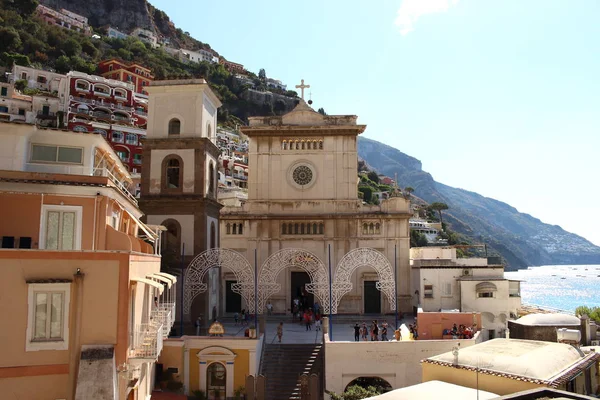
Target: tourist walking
[
  {"x": 280, "y": 331},
  {"x": 384, "y": 332},
  {"x": 356, "y": 332},
  {"x": 198, "y": 324},
  {"x": 236, "y": 317},
  {"x": 270, "y": 308},
  {"x": 307, "y": 320},
  {"x": 364, "y": 331},
  {"x": 375, "y": 332}
]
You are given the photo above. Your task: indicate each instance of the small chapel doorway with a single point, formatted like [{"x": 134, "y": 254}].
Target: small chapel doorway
[
  {"x": 298, "y": 290},
  {"x": 233, "y": 300},
  {"x": 371, "y": 297}
]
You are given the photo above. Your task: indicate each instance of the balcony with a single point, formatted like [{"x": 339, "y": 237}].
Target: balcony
[
  {"x": 120, "y": 97},
  {"x": 137, "y": 161},
  {"x": 147, "y": 342},
  {"x": 101, "y": 93},
  {"x": 240, "y": 177},
  {"x": 82, "y": 100},
  {"x": 101, "y": 115},
  {"x": 46, "y": 115},
  {"x": 141, "y": 113},
  {"x": 164, "y": 314}
]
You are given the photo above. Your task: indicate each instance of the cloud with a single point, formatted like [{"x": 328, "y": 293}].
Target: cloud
[{"x": 410, "y": 11}]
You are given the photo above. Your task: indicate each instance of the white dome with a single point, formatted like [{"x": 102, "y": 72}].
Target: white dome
[{"x": 548, "y": 319}]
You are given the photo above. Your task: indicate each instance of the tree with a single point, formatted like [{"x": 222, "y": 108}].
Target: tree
[
  {"x": 63, "y": 64},
  {"x": 367, "y": 193},
  {"x": 439, "y": 207},
  {"x": 10, "y": 39},
  {"x": 262, "y": 75},
  {"x": 372, "y": 175},
  {"x": 356, "y": 392},
  {"x": 71, "y": 47},
  {"x": 26, "y": 7},
  {"x": 409, "y": 190},
  {"x": 21, "y": 84},
  {"x": 321, "y": 111}
]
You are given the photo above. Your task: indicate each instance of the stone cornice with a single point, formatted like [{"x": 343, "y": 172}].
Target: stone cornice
[{"x": 318, "y": 130}]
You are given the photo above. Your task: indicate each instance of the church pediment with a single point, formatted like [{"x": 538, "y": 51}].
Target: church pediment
[{"x": 302, "y": 114}]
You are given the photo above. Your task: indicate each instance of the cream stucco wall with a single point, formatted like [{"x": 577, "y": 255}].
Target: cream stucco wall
[{"x": 399, "y": 363}]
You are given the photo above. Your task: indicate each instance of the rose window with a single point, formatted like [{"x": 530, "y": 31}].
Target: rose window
[{"x": 302, "y": 175}]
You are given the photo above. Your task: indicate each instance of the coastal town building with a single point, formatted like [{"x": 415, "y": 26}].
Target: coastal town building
[
  {"x": 303, "y": 215},
  {"x": 86, "y": 303},
  {"x": 179, "y": 176},
  {"x": 231, "y": 66},
  {"x": 276, "y": 83},
  {"x": 114, "y": 33},
  {"x": 186, "y": 56},
  {"x": 544, "y": 326},
  {"x": 136, "y": 74},
  {"x": 443, "y": 281},
  {"x": 506, "y": 366},
  {"x": 64, "y": 18},
  {"x": 46, "y": 81},
  {"x": 109, "y": 108},
  {"x": 430, "y": 230},
  {"x": 145, "y": 36},
  {"x": 15, "y": 106}
]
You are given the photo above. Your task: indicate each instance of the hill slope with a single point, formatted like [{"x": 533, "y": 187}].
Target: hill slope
[{"x": 520, "y": 238}]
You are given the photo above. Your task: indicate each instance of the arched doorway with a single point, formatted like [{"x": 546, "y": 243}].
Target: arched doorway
[
  {"x": 363, "y": 257},
  {"x": 194, "y": 281},
  {"x": 216, "y": 381},
  {"x": 299, "y": 260},
  {"x": 171, "y": 245},
  {"x": 371, "y": 383}
]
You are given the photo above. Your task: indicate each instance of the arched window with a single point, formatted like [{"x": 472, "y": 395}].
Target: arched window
[
  {"x": 290, "y": 229},
  {"x": 173, "y": 174},
  {"x": 303, "y": 144},
  {"x": 284, "y": 229},
  {"x": 174, "y": 126},
  {"x": 315, "y": 229},
  {"x": 171, "y": 239},
  {"x": 284, "y": 145},
  {"x": 314, "y": 143},
  {"x": 241, "y": 229},
  {"x": 234, "y": 229},
  {"x": 216, "y": 380},
  {"x": 213, "y": 235},
  {"x": 296, "y": 229},
  {"x": 211, "y": 185},
  {"x": 321, "y": 229},
  {"x": 377, "y": 228},
  {"x": 209, "y": 131},
  {"x": 228, "y": 230},
  {"x": 365, "y": 229},
  {"x": 371, "y": 228},
  {"x": 302, "y": 229},
  {"x": 297, "y": 145},
  {"x": 320, "y": 145}
]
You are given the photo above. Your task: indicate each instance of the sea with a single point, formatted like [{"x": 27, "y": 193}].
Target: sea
[{"x": 559, "y": 287}]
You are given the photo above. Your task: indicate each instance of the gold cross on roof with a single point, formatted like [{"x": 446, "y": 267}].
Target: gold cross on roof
[{"x": 302, "y": 86}]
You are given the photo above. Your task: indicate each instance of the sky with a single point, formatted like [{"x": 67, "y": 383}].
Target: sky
[{"x": 498, "y": 97}]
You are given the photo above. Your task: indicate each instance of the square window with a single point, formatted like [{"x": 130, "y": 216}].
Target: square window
[
  {"x": 48, "y": 316},
  {"x": 4, "y": 91},
  {"x": 61, "y": 228}
]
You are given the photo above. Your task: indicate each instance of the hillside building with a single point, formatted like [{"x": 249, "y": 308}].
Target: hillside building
[
  {"x": 65, "y": 19},
  {"x": 46, "y": 81},
  {"x": 443, "y": 281},
  {"x": 109, "y": 108},
  {"x": 232, "y": 67},
  {"x": 145, "y": 36},
  {"x": 136, "y": 74},
  {"x": 85, "y": 301},
  {"x": 114, "y": 33}
]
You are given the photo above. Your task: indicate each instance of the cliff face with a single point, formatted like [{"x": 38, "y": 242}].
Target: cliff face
[
  {"x": 126, "y": 15},
  {"x": 520, "y": 238}
]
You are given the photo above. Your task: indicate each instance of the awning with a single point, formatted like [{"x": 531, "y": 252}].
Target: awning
[
  {"x": 485, "y": 287},
  {"x": 150, "y": 234},
  {"x": 160, "y": 278},
  {"x": 173, "y": 278},
  {"x": 150, "y": 282}
]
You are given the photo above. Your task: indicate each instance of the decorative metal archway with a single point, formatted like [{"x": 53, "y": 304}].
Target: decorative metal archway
[
  {"x": 193, "y": 283},
  {"x": 293, "y": 258},
  {"x": 363, "y": 257}
]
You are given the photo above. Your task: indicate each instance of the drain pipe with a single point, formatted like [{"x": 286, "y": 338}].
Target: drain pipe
[{"x": 75, "y": 333}]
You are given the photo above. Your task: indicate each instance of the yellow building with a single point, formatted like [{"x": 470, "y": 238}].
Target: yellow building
[
  {"x": 84, "y": 305},
  {"x": 507, "y": 366},
  {"x": 211, "y": 364}
]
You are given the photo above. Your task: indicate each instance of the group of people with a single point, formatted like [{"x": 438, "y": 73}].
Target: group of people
[
  {"x": 243, "y": 318},
  {"x": 460, "y": 332},
  {"x": 362, "y": 332}
]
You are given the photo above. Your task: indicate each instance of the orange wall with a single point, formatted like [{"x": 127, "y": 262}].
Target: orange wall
[
  {"x": 20, "y": 216},
  {"x": 425, "y": 321}
]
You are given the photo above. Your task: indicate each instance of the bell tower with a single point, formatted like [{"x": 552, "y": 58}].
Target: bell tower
[{"x": 179, "y": 173}]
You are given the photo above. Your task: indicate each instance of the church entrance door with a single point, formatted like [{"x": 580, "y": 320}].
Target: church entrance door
[
  {"x": 372, "y": 298},
  {"x": 233, "y": 300},
  {"x": 298, "y": 289}
]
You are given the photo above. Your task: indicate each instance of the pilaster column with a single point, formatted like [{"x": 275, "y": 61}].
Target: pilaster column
[{"x": 186, "y": 370}]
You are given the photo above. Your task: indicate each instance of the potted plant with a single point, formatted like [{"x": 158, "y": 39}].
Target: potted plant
[
  {"x": 239, "y": 393},
  {"x": 252, "y": 332},
  {"x": 199, "y": 395}
]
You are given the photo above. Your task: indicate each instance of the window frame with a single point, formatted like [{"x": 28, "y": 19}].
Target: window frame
[
  {"x": 48, "y": 344},
  {"x": 78, "y": 224},
  {"x": 56, "y": 161},
  {"x": 163, "y": 174}
]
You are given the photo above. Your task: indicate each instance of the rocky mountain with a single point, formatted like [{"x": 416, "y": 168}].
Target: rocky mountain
[
  {"x": 520, "y": 238},
  {"x": 127, "y": 15}
]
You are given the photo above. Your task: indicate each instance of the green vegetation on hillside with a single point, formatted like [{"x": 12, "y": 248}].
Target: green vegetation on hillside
[{"x": 592, "y": 312}]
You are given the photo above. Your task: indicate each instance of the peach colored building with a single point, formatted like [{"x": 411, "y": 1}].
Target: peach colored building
[{"x": 84, "y": 304}]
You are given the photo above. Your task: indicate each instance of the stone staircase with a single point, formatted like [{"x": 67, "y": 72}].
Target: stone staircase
[{"x": 282, "y": 365}]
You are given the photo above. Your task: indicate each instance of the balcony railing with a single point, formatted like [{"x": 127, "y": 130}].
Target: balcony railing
[
  {"x": 147, "y": 341},
  {"x": 120, "y": 185},
  {"x": 240, "y": 177},
  {"x": 101, "y": 115},
  {"x": 82, "y": 100},
  {"x": 42, "y": 114},
  {"x": 137, "y": 161},
  {"x": 165, "y": 315},
  {"x": 141, "y": 113}
]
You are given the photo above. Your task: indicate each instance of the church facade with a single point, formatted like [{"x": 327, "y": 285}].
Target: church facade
[{"x": 304, "y": 224}]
